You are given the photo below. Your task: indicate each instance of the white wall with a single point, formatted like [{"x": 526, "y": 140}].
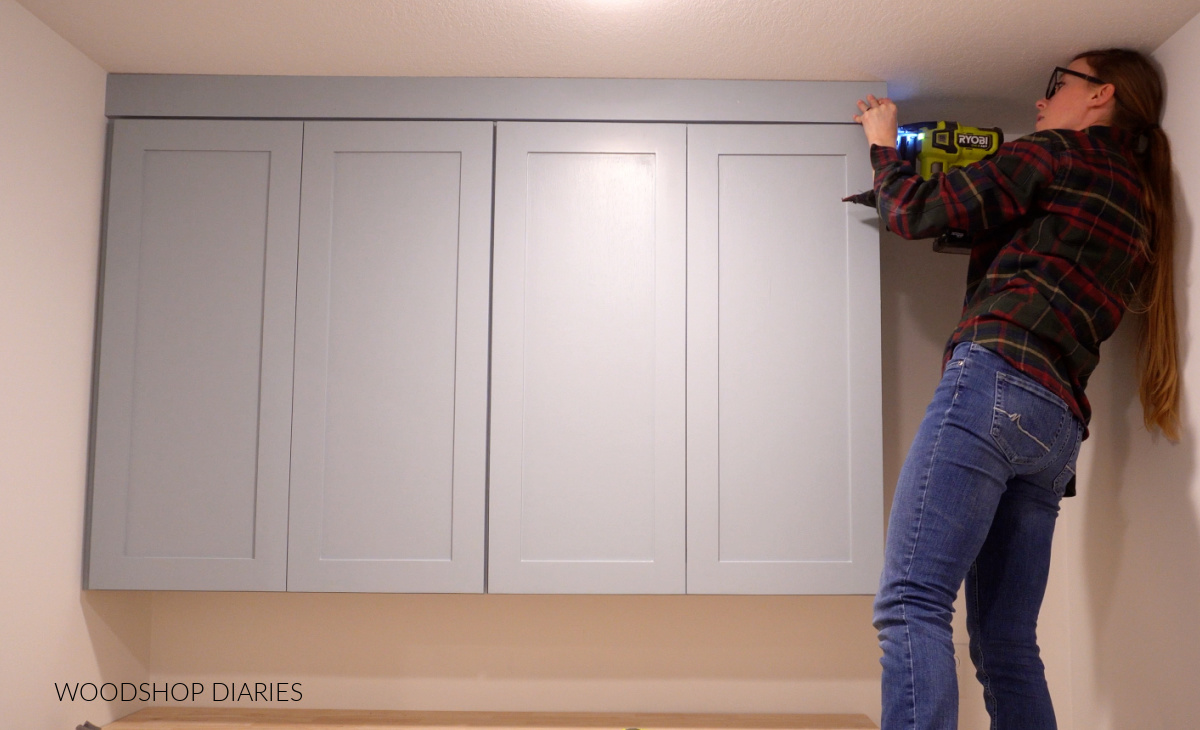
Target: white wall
[
  {"x": 51, "y": 169},
  {"x": 1134, "y": 547}
]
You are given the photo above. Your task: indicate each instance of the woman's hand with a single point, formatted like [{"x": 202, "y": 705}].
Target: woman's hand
[{"x": 878, "y": 118}]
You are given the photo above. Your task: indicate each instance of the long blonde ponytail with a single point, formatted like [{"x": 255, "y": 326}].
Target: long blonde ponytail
[{"x": 1139, "y": 104}]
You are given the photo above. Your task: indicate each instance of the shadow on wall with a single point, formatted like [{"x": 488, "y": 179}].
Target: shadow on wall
[
  {"x": 528, "y": 652},
  {"x": 921, "y": 299},
  {"x": 118, "y": 624},
  {"x": 1141, "y": 544}
]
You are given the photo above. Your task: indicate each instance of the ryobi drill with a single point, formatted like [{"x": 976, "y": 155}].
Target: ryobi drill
[
  {"x": 934, "y": 147},
  {"x": 937, "y": 146}
]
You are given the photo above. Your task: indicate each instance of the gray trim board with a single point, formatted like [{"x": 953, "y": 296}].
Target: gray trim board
[{"x": 370, "y": 97}]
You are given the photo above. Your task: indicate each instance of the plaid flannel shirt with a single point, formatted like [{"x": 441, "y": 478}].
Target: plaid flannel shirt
[{"x": 1054, "y": 222}]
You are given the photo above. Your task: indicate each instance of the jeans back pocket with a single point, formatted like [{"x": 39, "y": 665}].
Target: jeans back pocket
[{"x": 1027, "y": 422}]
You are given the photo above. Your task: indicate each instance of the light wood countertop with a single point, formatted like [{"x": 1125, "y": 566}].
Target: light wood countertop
[{"x": 191, "y": 718}]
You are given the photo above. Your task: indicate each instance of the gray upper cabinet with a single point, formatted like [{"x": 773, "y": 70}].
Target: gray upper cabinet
[
  {"x": 194, "y": 378},
  {"x": 389, "y": 426},
  {"x": 492, "y": 335},
  {"x": 586, "y": 486},
  {"x": 784, "y": 425}
]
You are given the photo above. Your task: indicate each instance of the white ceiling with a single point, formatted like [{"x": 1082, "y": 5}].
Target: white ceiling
[{"x": 980, "y": 62}]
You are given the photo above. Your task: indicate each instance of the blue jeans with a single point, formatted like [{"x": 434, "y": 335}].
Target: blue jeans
[{"x": 977, "y": 500}]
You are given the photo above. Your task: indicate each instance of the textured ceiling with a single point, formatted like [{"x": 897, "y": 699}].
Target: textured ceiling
[{"x": 982, "y": 62}]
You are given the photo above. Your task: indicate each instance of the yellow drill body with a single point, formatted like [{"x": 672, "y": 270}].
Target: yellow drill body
[{"x": 935, "y": 147}]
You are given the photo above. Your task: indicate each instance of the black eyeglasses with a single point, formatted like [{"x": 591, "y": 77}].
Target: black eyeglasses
[{"x": 1056, "y": 80}]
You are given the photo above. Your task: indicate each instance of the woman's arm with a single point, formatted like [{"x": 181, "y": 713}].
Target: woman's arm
[{"x": 971, "y": 198}]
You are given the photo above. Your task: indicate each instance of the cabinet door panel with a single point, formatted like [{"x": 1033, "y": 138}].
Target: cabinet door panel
[
  {"x": 586, "y": 484},
  {"x": 391, "y": 365},
  {"x": 194, "y": 376},
  {"x": 784, "y": 423}
]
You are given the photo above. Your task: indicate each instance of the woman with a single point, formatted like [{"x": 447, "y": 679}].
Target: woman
[{"x": 1068, "y": 228}]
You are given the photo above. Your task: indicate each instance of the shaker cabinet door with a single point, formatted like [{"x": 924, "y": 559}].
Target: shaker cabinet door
[
  {"x": 389, "y": 429},
  {"x": 194, "y": 377},
  {"x": 784, "y": 424},
  {"x": 586, "y": 487}
]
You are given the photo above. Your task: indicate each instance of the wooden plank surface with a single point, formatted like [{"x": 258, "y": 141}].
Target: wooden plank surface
[{"x": 188, "y": 718}]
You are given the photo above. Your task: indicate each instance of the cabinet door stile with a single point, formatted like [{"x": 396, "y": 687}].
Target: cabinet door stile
[
  {"x": 391, "y": 367},
  {"x": 193, "y": 405},
  {"x": 784, "y": 409}
]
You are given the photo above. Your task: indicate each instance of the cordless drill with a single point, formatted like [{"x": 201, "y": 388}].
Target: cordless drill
[{"x": 934, "y": 147}]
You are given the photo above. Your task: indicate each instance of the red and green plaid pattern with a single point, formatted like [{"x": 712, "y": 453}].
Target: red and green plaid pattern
[{"x": 1054, "y": 222}]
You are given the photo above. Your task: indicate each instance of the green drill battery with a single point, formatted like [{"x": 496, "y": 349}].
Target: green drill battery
[{"x": 935, "y": 147}]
